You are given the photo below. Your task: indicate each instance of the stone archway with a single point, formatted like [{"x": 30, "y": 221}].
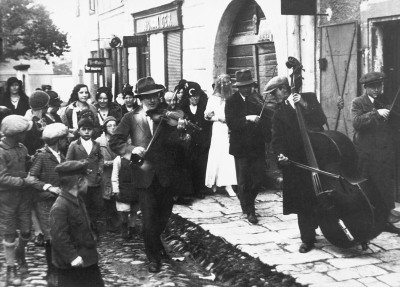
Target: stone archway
[{"x": 244, "y": 40}]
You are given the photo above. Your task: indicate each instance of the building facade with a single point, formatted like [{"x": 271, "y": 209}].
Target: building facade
[{"x": 199, "y": 39}]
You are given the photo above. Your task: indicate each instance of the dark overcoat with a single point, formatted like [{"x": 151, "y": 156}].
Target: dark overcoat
[
  {"x": 246, "y": 139},
  {"x": 160, "y": 160},
  {"x": 298, "y": 192},
  {"x": 71, "y": 234},
  {"x": 374, "y": 142}
]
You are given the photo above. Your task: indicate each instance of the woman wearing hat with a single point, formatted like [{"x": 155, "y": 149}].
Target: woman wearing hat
[
  {"x": 105, "y": 106},
  {"x": 15, "y": 98},
  {"x": 79, "y": 102},
  {"x": 54, "y": 105}
]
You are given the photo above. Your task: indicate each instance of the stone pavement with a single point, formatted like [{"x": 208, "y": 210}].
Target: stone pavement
[{"x": 276, "y": 239}]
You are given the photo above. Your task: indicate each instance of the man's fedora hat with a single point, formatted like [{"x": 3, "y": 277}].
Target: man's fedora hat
[
  {"x": 147, "y": 86},
  {"x": 243, "y": 78}
]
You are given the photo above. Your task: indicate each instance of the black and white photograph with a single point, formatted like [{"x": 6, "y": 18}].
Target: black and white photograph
[{"x": 200, "y": 143}]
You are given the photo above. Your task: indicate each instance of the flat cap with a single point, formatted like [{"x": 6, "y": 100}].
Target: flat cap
[
  {"x": 72, "y": 167},
  {"x": 39, "y": 100},
  {"x": 55, "y": 130},
  {"x": 274, "y": 83},
  {"x": 372, "y": 77},
  {"x": 14, "y": 124}
]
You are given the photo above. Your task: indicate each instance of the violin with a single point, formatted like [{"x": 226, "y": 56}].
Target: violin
[
  {"x": 171, "y": 117},
  {"x": 160, "y": 114},
  {"x": 345, "y": 213}
]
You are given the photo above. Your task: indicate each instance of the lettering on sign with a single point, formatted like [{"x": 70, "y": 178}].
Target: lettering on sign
[
  {"x": 89, "y": 69},
  {"x": 157, "y": 22},
  {"x": 96, "y": 62}
]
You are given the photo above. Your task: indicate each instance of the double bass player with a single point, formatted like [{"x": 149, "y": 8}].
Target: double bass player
[{"x": 298, "y": 194}]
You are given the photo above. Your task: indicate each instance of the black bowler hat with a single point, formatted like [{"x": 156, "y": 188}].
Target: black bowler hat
[
  {"x": 372, "y": 77},
  {"x": 72, "y": 167}
]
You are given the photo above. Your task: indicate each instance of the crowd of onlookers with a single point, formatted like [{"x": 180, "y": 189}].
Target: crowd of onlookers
[
  {"x": 40, "y": 132},
  {"x": 67, "y": 167}
]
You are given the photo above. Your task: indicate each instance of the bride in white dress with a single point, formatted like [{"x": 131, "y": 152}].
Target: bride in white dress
[{"x": 221, "y": 170}]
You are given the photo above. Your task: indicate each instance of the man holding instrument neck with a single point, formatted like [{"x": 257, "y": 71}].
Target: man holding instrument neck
[
  {"x": 249, "y": 130},
  {"x": 158, "y": 144},
  {"x": 374, "y": 142},
  {"x": 298, "y": 191}
]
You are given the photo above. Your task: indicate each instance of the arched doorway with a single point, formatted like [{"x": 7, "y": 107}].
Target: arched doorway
[{"x": 245, "y": 41}]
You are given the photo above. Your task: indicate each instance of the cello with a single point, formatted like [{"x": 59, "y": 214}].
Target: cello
[{"x": 344, "y": 211}]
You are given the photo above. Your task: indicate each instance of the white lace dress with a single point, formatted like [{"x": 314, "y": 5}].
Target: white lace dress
[{"x": 221, "y": 170}]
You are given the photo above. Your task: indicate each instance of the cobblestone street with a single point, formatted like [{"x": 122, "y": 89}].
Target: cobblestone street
[{"x": 123, "y": 263}]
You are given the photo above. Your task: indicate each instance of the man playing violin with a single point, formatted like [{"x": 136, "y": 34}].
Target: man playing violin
[
  {"x": 374, "y": 142},
  {"x": 298, "y": 191},
  {"x": 249, "y": 130},
  {"x": 154, "y": 179}
]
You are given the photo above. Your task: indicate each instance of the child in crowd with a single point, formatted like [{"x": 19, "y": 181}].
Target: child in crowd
[
  {"x": 86, "y": 148},
  {"x": 127, "y": 199},
  {"x": 73, "y": 241},
  {"x": 15, "y": 198},
  {"x": 48, "y": 185}
]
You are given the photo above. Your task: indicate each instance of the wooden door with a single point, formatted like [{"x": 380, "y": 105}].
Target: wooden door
[
  {"x": 391, "y": 64},
  {"x": 340, "y": 77}
]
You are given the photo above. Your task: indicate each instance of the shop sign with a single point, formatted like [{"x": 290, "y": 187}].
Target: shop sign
[
  {"x": 96, "y": 62},
  {"x": 162, "y": 21},
  {"x": 91, "y": 69},
  {"x": 134, "y": 41}
]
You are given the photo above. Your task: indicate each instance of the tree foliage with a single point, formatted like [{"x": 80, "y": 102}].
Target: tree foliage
[{"x": 28, "y": 32}]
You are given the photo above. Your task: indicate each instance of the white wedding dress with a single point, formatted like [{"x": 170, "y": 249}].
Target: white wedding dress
[{"x": 221, "y": 170}]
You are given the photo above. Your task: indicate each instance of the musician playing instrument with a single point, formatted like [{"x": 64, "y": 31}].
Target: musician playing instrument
[
  {"x": 154, "y": 179},
  {"x": 250, "y": 129},
  {"x": 374, "y": 142},
  {"x": 298, "y": 191}
]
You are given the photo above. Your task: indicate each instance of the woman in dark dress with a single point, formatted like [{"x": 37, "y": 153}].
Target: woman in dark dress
[{"x": 15, "y": 98}]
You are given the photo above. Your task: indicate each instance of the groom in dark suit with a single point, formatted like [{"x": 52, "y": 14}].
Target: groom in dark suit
[
  {"x": 154, "y": 179},
  {"x": 248, "y": 133}
]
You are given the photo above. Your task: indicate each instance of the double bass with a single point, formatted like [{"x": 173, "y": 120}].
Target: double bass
[{"x": 344, "y": 211}]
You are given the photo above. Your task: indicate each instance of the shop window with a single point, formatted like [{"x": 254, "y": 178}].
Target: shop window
[{"x": 174, "y": 59}]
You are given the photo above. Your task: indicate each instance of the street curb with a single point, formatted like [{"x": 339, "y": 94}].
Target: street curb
[{"x": 227, "y": 263}]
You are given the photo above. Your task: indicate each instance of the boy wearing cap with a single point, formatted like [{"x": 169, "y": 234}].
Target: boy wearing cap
[
  {"x": 287, "y": 143},
  {"x": 15, "y": 198},
  {"x": 374, "y": 142},
  {"x": 47, "y": 187},
  {"x": 85, "y": 148},
  {"x": 73, "y": 241}
]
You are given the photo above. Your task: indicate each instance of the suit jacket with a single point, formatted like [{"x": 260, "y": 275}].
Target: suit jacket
[
  {"x": 76, "y": 151},
  {"x": 246, "y": 138},
  {"x": 373, "y": 136},
  {"x": 43, "y": 169},
  {"x": 160, "y": 159},
  {"x": 298, "y": 192}
]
